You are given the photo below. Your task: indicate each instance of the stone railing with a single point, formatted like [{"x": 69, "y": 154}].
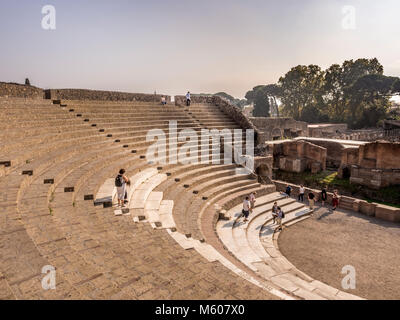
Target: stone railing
[
  {"x": 14, "y": 90},
  {"x": 226, "y": 107},
  {"x": 84, "y": 94},
  {"x": 370, "y": 209}
]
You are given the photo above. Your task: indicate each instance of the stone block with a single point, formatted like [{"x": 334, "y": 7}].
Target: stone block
[
  {"x": 387, "y": 213},
  {"x": 367, "y": 208}
]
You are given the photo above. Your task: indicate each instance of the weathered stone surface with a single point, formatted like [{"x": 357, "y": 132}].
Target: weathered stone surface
[
  {"x": 83, "y": 94},
  {"x": 297, "y": 156},
  {"x": 20, "y": 91},
  {"x": 278, "y": 128},
  {"x": 375, "y": 165}
]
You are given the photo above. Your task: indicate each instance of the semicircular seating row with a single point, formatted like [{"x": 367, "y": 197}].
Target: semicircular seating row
[{"x": 55, "y": 159}]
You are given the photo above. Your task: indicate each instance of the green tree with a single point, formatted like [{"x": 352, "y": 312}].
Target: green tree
[{"x": 301, "y": 88}]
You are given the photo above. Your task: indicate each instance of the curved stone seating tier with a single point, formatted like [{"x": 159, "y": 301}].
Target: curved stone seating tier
[{"x": 253, "y": 244}]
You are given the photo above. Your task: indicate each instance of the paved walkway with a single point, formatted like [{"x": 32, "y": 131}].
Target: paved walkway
[{"x": 322, "y": 245}]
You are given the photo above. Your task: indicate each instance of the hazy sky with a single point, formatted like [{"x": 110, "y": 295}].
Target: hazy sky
[{"x": 177, "y": 45}]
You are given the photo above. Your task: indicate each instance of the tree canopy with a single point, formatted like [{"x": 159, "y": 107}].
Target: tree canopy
[{"x": 355, "y": 92}]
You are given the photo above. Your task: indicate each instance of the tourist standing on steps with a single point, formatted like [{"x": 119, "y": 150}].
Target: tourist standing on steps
[
  {"x": 311, "y": 200},
  {"x": 253, "y": 200},
  {"x": 301, "y": 193},
  {"x": 335, "y": 200},
  {"x": 163, "y": 101},
  {"x": 275, "y": 212},
  {"x": 188, "y": 100},
  {"x": 246, "y": 209},
  {"x": 120, "y": 182},
  {"x": 324, "y": 195},
  {"x": 288, "y": 191}
]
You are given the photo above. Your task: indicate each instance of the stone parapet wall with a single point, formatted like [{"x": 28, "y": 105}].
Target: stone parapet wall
[
  {"x": 371, "y": 209},
  {"x": 230, "y": 110},
  {"x": 14, "y": 90},
  {"x": 84, "y": 94}
]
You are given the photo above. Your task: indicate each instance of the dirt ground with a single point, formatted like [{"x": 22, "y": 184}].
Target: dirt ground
[{"x": 323, "y": 244}]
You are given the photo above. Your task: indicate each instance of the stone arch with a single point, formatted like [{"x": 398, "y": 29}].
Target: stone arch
[{"x": 276, "y": 134}]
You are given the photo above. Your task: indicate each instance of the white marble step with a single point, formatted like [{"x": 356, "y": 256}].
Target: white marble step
[
  {"x": 139, "y": 178},
  {"x": 143, "y": 191},
  {"x": 261, "y": 203},
  {"x": 256, "y": 224}
]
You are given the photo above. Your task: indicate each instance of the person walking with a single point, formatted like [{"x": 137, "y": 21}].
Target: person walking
[
  {"x": 274, "y": 212},
  {"x": 253, "y": 200},
  {"x": 246, "y": 209},
  {"x": 120, "y": 182},
  {"x": 302, "y": 190},
  {"x": 163, "y": 101},
  {"x": 311, "y": 200},
  {"x": 335, "y": 200},
  {"x": 324, "y": 195},
  {"x": 279, "y": 218},
  {"x": 188, "y": 99}
]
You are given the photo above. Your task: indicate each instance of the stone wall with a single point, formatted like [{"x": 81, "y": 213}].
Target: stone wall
[
  {"x": 377, "y": 165},
  {"x": 349, "y": 158},
  {"x": 14, "y": 90},
  {"x": 279, "y": 128},
  {"x": 328, "y": 130},
  {"x": 334, "y": 151},
  {"x": 371, "y": 209},
  {"x": 299, "y": 156},
  {"x": 84, "y": 94},
  {"x": 230, "y": 110}
]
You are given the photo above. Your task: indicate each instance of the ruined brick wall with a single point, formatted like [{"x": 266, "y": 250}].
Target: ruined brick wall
[
  {"x": 84, "y": 94},
  {"x": 14, "y": 90},
  {"x": 273, "y": 128},
  {"x": 298, "y": 156},
  {"x": 334, "y": 151},
  {"x": 378, "y": 165},
  {"x": 326, "y": 130}
]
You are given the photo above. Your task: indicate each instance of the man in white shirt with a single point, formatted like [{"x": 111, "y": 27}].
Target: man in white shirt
[
  {"x": 302, "y": 190},
  {"x": 246, "y": 209},
  {"x": 188, "y": 99}
]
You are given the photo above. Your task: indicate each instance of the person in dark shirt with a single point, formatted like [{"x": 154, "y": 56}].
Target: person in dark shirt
[
  {"x": 311, "y": 200},
  {"x": 324, "y": 195},
  {"x": 288, "y": 191}
]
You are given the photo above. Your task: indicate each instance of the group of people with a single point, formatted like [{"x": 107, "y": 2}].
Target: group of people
[
  {"x": 311, "y": 196},
  {"x": 277, "y": 212},
  {"x": 188, "y": 99}
]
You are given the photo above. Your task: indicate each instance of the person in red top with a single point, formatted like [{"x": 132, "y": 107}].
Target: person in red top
[{"x": 335, "y": 200}]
